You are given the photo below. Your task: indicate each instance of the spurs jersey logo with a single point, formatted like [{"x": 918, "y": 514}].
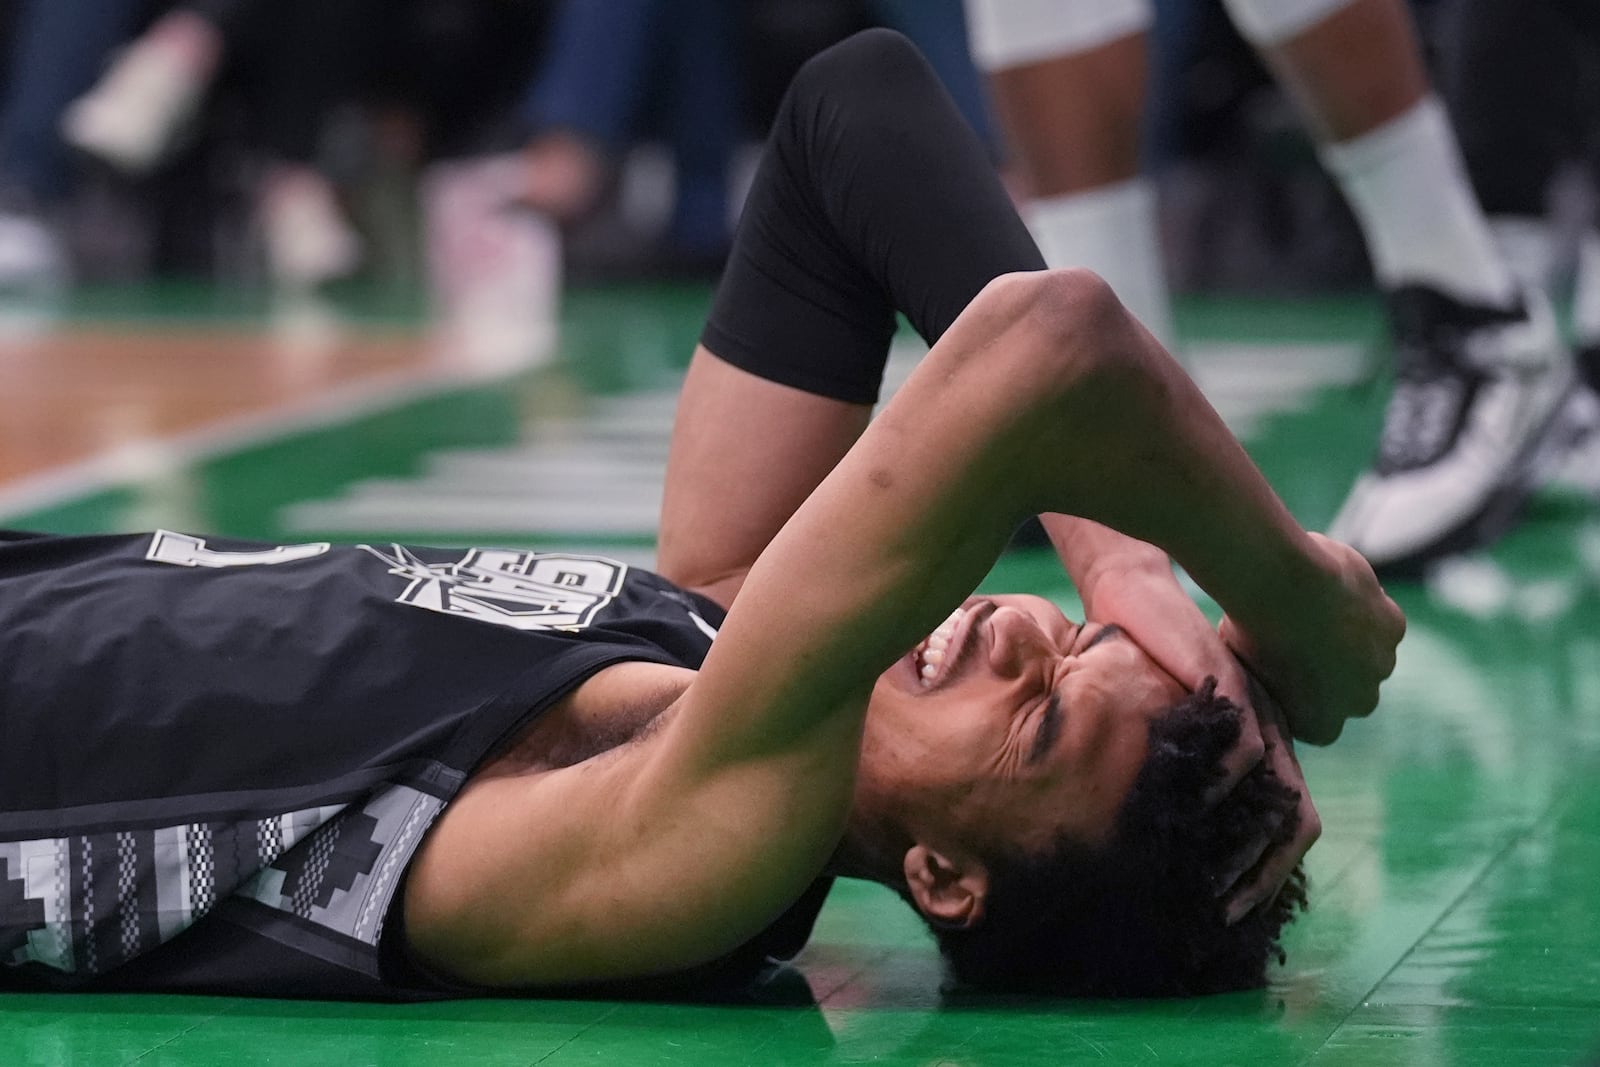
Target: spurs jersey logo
[{"x": 520, "y": 589}]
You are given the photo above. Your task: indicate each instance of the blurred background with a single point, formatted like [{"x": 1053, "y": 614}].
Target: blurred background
[
  {"x": 363, "y": 195},
  {"x": 289, "y": 145}
]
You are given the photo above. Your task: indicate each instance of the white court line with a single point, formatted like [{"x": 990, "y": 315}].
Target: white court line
[
  {"x": 599, "y": 474},
  {"x": 137, "y": 460}
]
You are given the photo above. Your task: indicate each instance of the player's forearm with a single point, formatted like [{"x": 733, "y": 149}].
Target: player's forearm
[
  {"x": 1091, "y": 552},
  {"x": 1158, "y": 464},
  {"x": 1154, "y": 462},
  {"x": 1120, "y": 443}
]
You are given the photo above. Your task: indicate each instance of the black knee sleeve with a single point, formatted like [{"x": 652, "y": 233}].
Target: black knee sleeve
[{"x": 873, "y": 195}]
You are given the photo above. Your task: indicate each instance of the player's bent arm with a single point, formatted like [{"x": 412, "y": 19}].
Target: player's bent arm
[{"x": 1044, "y": 396}]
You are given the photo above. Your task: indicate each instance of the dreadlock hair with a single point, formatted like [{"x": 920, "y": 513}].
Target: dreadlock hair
[{"x": 1140, "y": 916}]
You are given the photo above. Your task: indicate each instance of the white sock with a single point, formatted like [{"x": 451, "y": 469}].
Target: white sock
[
  {"x": 1111, "y": 230},
  {"x": 1409, "y": 189}
]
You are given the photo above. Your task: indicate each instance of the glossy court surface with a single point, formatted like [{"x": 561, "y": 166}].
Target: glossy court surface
[{"x": 1456, "y": 890}]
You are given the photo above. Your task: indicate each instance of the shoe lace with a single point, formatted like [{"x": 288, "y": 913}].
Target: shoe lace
[{"x": 1421, "y": 418}]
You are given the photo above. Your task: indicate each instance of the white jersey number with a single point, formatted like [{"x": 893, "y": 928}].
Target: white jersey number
[{"x": 185, "y": 551}]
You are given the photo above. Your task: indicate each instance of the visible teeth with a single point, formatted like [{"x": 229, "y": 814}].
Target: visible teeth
[{"x": 931, "y": 654}]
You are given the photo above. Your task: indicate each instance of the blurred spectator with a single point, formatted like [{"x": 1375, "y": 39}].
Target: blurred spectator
[
  {"x": 570, "y": 86},
  {"x": 618, "y": 71},
  {"x": 57, "y": 49},
  {"x": 301, "y": 58},
  {"x": 615, "y": 70}
]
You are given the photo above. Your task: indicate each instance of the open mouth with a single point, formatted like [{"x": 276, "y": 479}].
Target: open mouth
[{"x": 936, "y": 657}]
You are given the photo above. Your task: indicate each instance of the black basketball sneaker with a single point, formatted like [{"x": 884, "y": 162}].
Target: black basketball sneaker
[{"x": 1476, "y": 395}]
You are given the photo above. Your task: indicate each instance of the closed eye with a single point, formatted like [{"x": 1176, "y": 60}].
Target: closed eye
[
  {"x": 1110, "y": 630},
  {"x": 1044, "y": 738}
]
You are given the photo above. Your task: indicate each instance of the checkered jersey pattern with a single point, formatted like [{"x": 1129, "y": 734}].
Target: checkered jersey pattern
[{"x": 84, "y": 904}]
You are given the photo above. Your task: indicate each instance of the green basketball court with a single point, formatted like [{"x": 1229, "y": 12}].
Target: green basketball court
[{"x": 1456, "y": 890}]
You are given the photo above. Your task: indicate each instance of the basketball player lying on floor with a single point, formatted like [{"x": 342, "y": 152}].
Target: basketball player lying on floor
[{"x": 376, "y": 771}]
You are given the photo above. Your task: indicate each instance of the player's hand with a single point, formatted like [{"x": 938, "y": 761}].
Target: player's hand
[
  {"x": 1261, "y": 870},
  {"x": 1154, "y": 611},
  {"x": 1325, "y": 665}
]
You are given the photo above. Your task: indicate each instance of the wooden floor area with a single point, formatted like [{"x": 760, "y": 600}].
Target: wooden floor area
[{"x": 71, "y": 395}]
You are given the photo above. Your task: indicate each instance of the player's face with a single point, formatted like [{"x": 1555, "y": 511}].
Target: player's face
[{"x": 1012, "y": 720}]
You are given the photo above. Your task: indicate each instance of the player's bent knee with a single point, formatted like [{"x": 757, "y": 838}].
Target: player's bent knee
[
  {"x": 1061, "y": 290},
  {"x": 861, "y": 66},
  {"x": 1074, "y": 308},
  {"x": 1067, "y": 323}
]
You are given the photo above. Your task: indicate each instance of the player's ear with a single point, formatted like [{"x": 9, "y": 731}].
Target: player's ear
[{"x": 949, "y": 890}]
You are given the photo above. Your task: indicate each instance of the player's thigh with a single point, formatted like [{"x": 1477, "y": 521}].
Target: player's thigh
[{"x": 746, "y": 452}]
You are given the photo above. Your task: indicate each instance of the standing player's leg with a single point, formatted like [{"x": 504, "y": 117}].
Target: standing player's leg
[
  {"x": 872, "y": 194},
  {"x": 1508, "y": 61},
  {"x": 1068, "y": 78},
  {"x": 1504, "y": 63},
  {"x": 1481, "y": 371}
]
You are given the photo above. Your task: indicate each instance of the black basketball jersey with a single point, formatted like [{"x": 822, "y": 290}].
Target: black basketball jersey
[{"x": 217, "y": 758}]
